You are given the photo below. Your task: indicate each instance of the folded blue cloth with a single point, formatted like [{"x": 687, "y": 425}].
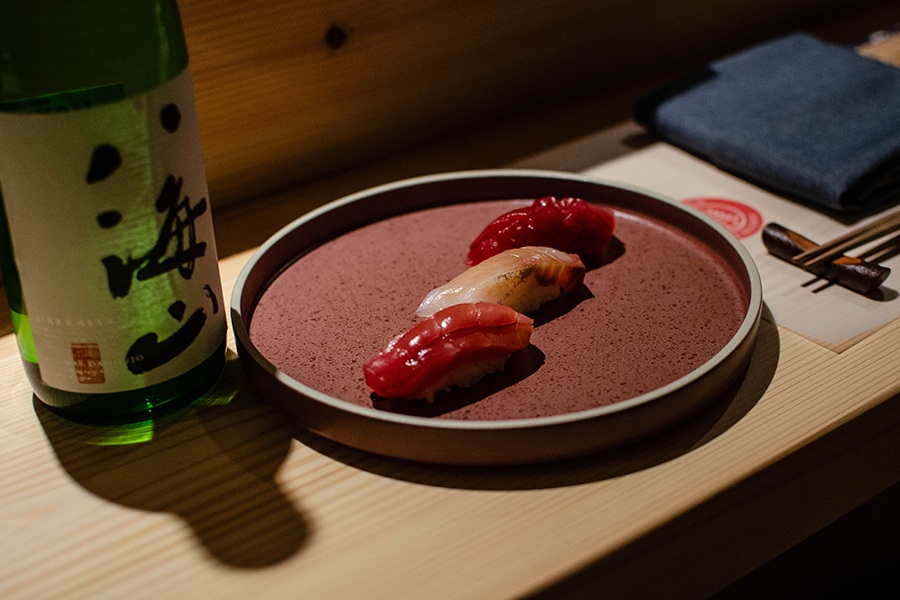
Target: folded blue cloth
[{"x": 809, "y": 120}]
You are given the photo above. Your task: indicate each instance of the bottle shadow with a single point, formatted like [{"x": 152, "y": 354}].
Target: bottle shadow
[{"x": 212, "y": 464}]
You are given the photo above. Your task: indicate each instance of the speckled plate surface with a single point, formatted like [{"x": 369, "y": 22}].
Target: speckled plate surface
[{"x": 661, "y": 328}]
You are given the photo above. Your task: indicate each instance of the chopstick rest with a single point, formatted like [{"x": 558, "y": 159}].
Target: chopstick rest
[{"x": 849, "y": 272}]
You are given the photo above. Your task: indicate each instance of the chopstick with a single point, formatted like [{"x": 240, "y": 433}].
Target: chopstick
[{"x": 856, "y": 237}]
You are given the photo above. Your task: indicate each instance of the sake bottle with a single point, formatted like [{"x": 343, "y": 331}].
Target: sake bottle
[{"x": 106, "y": 239}]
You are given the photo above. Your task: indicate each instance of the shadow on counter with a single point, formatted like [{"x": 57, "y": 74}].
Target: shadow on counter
[{"x": 212, "y": 464}]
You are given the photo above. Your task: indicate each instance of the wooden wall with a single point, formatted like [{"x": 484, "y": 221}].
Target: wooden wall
[{"x": 289, "y": 90}]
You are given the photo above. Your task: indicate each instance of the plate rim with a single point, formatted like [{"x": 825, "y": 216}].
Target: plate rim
[{"x": 747, "y": 327}]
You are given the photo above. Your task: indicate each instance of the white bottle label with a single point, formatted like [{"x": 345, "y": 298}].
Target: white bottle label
[{"x": 112, "y": 234}]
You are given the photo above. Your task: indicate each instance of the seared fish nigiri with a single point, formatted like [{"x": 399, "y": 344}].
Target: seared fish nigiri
[{"x": 521, "y": 278}]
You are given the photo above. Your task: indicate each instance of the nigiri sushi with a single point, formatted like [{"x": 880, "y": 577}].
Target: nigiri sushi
[
  {"x": 456, "y": 346},
  {"x": 567, "y": 224},
  {"x": 521, "y": 278}
]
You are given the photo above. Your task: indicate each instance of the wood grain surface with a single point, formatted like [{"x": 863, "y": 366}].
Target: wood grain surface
[
  {"x": 291, "y": 91},
  {"x": 226, "y": 499}
]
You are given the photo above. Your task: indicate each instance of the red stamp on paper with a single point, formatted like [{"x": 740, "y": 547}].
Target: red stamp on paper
[
  {"x": 738, "y": 218},
  {"x": 88, "y": 366}
]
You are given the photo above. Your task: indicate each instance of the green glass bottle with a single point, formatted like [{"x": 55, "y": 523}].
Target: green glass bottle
[{"x": 106, "y": 239}]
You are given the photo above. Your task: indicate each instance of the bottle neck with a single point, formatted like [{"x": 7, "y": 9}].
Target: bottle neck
[{"x": 107, "y": 49}]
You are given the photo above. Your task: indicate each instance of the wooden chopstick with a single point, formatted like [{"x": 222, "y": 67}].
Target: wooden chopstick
[{"x": 834, "y": 248}]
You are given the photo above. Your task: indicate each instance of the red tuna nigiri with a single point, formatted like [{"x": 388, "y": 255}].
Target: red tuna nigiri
[
  {"x": 568, "y": 224},
  {"x": 458, "y": 345}
]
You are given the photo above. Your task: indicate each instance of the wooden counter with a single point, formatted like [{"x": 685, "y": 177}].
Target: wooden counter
[{"x": 226, "y": 500}]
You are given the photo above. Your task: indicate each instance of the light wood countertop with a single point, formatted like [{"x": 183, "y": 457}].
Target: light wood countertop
[{"x": 227, "y": 500}]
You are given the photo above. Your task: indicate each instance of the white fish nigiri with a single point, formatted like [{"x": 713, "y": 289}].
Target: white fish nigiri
[{"x": 521, "y": 278}]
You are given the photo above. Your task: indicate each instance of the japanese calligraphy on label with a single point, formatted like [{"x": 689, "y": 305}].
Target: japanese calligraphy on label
[{"x": 114, "y": 240}]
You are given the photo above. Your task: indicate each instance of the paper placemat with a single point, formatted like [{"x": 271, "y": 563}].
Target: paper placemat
[{"x": 833, "y": 316}]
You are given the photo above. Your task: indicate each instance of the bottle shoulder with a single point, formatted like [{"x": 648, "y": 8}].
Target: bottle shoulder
[{"x": 114, "y": 49}]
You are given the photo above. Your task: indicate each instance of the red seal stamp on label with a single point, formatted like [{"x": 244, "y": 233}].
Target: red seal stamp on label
[
  {"x": 738, "y": 218},
  {"x": 88, "y": 365}
]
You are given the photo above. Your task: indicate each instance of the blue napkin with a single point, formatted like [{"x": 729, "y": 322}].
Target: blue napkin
[{"x": 812, "y": 121}]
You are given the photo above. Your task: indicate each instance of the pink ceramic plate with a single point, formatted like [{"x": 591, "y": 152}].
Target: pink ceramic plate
[{"x": 661, "y": 329}]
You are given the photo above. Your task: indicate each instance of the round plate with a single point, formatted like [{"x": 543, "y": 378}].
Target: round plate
[{"x": 662, "y": 328}]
